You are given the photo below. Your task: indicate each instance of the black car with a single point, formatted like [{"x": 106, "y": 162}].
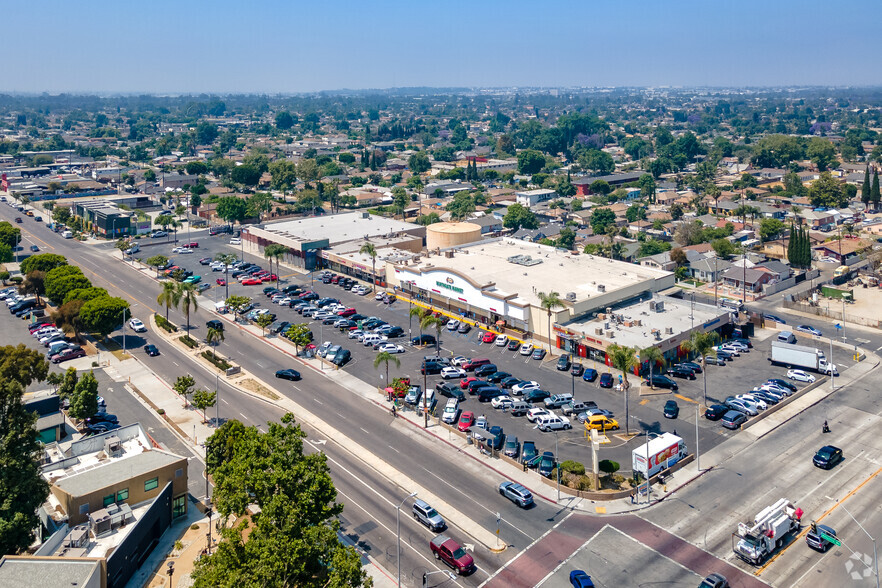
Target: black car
[
  {"x": 288, "y": 374},
  {"x": 529, "y": 453},
  {"x": 563, "y": 363},
  {"x": 690, "y": 365},
  {"x": 485, "y": 370},
  {"x": 681, "y": 372},
  {"x": 577, "y": 370},
  {"x": 395, "y": 332},
  {"x": 507, "y": 383},
  {"x": 496, "y": 377},
  {"x": 474, "y": 385},
  {"x": 536, "y": 395},
  {"x": 279, "y": 326},
  {"x": 431, "y": 367},
  {"x": 606, "y": 380},
  {"x": 783, "y": 384},
  {"x": 102, "y": 417},
  {"x": 715, "y": 412},
  {"x": 497, "y": 437},
  {"x": 514, "y": 345},
  {"x": 450, "y": 391},
  {"x": 486, "y": 393},
  {"x": 99, "y": 428},
  {"x": 151, "y": 350},
  {"x": 827, "y": 457},
  {"x": 421, "y": 339},
  {"x": 546, "y": 464},
  {"x": 664, "y": 382},
  {"x": 463, "y": 328},
  {"x": 672, "y": 409}
]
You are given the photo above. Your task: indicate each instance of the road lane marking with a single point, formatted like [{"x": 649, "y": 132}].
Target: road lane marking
[
  {"x": 366, "y": 431},
  {"x": 684, "y": 398},
  {"x": 393, "y": 449},
  {"x": 317, "y": 400}
]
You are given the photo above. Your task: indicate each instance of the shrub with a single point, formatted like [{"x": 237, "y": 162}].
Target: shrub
[
  {"x": 161, "y": 322},
  {"x": 608, "y": 466},
  {"x": 584, "y": 483},
  {"x": 573, "y": 467},
  {"x": 218, "y": 362},
  {"x": 17, "y": 280},
  {"x": 160, "y": 411},
  {"x": 190, "y": 342}
]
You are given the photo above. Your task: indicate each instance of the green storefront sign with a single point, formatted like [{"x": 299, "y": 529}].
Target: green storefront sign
[{"x": 449, "y": 287}]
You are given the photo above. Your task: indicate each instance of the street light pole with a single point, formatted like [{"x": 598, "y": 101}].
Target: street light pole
[
  {"x": 398, "y": 532},
  {"x": 557, "y": 458},
  {"x": 875, "y": 556},
  {"x": 697, "y": 455},
  {"x": 124, "y": 330},
  {"x": 216, "y": 400}
]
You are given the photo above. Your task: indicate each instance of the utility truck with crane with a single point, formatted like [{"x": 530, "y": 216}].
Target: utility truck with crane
[{"x": 755, "y": 542}]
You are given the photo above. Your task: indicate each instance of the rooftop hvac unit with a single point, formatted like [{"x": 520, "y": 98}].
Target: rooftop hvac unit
[
  {"x": 448, "y": 254},
  {"x": 610, "y": 334},
  {"x": 639, "y": 322},
  {"x": 571, "y": 296},
  {"x": 601, "y": 288},
  {"x": 652, "y": 305},
  {"x": 659, "y": 306},
  {"x": 598, "y": 331},
  {"x": 606, "y": 325},
  {"x": 669, "y": 330}
]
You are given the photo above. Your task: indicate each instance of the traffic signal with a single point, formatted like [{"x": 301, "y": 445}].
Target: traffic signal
[
  {"x": 425, "y": 579},
  {"x": 814, "y": 528}
]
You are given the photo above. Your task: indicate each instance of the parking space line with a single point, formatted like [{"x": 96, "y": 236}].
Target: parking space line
[{"x": 684, "y": 398}]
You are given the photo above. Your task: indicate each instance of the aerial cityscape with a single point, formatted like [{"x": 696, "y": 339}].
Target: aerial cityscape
[{"x": 497, "y": 294}]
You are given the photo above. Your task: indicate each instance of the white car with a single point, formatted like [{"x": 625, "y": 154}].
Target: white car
[
  {"x": 137, "y": 326},
  {"x": 187, "y": 251},
  {"x": 390, "y": 348},
  {"x": 459, "y": 361},
  {"x": 519, "y": 389},
  {"x": 526, "y": 349},
  {"x": 235, "y": 241},
  {"x": 504, "y": 401},
  {"x": 535, "y": 413},
  {"x": 178, "y": 250},
  {"x": 452, "y": 372},
  {"x": 354, "y": 333},
  {"x": 501, "y": 341},
  {"x": 736, "y": 351},
  {"x": 737, "y": 345},
  {"x": 761, "y": 404},
  {"x": 451, "y": 412},
  {"x": 379, "y": 295},
  {"x": 452, "y": 325},
  {"x": 773, "y": 389},
  {"x": 800, "y": 376}
]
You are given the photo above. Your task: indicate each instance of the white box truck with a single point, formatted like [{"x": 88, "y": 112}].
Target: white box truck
[
  {"x": 661, "y": 453},
  {"x": 800, "y": 356}
]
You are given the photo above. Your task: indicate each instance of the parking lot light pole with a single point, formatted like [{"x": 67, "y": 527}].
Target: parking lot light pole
[
  {"x": 398, "y": 532},
  {"x": 697, "y": 455},
  {"x": 875, "y": 556},
  {"x": 557, "y": 469}
]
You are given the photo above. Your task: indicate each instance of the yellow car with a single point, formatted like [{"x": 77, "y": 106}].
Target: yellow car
[{"x": 601, "y": 423}]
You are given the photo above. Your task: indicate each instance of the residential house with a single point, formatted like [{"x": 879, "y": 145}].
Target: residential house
[
  {"x": 845, "y": 251},
  {"x": 737, "y": 277},
  {"x": 663, "y": 260},
  {"x": 583, "y": 185},
  {"x": 708, "y": 268},
  {"x": 531, "y": 198}
]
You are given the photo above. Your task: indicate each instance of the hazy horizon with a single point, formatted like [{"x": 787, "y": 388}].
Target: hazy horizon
[{"x": 277, "y": 47}]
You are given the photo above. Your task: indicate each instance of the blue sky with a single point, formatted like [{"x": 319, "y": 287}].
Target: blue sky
[{"x": 291, "y": 46}]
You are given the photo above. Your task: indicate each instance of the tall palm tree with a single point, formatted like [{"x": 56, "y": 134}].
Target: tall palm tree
[
  {"x": 421, "y": 314},
  {"x": 227, "y": 259},
  {"x": 701, "y": 343},
  {"x": 386, "y": 357},
  {"x": 653, "y": 355},
  {"x": 371, "y": 251},
  {"x": 278, "y": 253},
  {"x": 187, "y": 293},
  {"x": 213, "y": 337},
  {"x": 623, "y": 358},
  {"x": 548, "y": 302},
  {"x": 438, "y": 323},
  {"x": 170, "y": 296}
]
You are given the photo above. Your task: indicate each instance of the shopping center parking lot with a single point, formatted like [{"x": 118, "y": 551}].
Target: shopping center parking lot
[{"x": 737, "y": 377}]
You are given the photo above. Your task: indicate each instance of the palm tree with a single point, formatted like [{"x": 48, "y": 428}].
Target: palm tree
[
  {"x": 624, "y": 359},
  {"x": 701, "y": 343},
  {"x": 653, "y": 355},
  {"x": 438, "y": 323},
  {"x": 187, "y": 293},
  {"x": 278, "y": 253},
  {"x": 213, "y": 337},
  {"x": 386, "y": 357},
  {"x": 421, "y": 314},
  {"x": 170, "y": 296},
  {"x": 226, "y": 259},
  {"x": 549, "y": 301},
  {"x": 371, "y": 251}
]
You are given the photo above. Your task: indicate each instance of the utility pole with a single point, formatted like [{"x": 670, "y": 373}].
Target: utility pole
[{"x": 697, "y": 454}]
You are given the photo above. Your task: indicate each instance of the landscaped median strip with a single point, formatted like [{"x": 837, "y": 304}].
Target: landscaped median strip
[{"x": 483, "y": 536}]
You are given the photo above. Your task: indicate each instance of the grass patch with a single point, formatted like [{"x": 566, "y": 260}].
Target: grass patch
[
  {"x": 189, "y": 341},
  {"x": 218, "y": 362},
  {"x": 258, "y": 388},
  {"x": 161, "y": 322}
]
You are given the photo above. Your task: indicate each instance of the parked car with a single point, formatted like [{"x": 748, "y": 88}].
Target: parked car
[
  {"x": 715, "y": 360},
  {"x": 800, "y": 376},
  {"x": 715, "y": 412},
  {"x": 660, "y": 381},
  {"x": 782, "y": 384},
  {"x": 577, "y": 370},
  {"x": 516, "y": 493},
  {"x": 463, "y": 328},
  {"x": 452, "y": 372},
  {"x": 590, "y": 375},
  {"x": 733, "y": 419},
  {"x": 526, "y": 349},
  {"x": 524, "y": 387},
  {"x": 536, "y": 395},
  {"x": 547, "y": 464},
  {"x": 466, "y": 421},
  {"x": 529, "y": 453},
  {"x": 501, "y": 341},
  {"x": 681, "y": 372},
  {"x": 512, "y": 447},
  {"x": 423, "y": 340},
  {"x": 563, "y": 363},
  {"x": 497, "y": 377},
  {"x": 539, "y": 354},
  {"x": 68, "y": 354}
]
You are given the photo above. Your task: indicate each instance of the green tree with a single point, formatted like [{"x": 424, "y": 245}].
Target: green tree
[
  {"x": 263, "y": 321},
  {"x": 84, "y": 401},
  {"x": 308, "y": 171},
  {"x": 103, "y": 315},
  {"x": 826, "y": 191},
  {"x": 44, "y": 262},
  {"x": 400, "y": 200},
  {"x": 156, "y": 261},
  {"x": 188, "y": 297},
  {"x": 599, "y": 162},
  {"x": 462, "y": 205},
  {"x": 770, "y": 228},
  {"x": 428, "y": 219},
  {"x": 385, "y": 358},
  {"x": 419, "y": 162},
  {"x": 61, "y": 280},
  {"x": 519, "y": 216},
  {"x": 184, "y": 386},
  {"x": 237, "y": 302},
  {"x": 874, "y": 191},
  {"x": 68, "y": 383},
  {"x": 647, "y": 188},
  {"x": 530, "y": 162},
  {"x": 653, "y": 356},
  {"x": 723, "y": 248},
  {"x": 9, "y": 235},
  {"x": 61, "y": 214},
  {"x": 227, "y": 259},
  {"x": 203, "y": 400},
  {"x": 21, "y": 484},
  {"x": 822, "y": 153},
  {"x": 701, "y": 344},
  {"x": 231, "y": 209},
  {"x": 196, "y": 168},
  {"x": 624, "y": 359},
  {"x": 169, "y": 296},
  {"x": 284, "y": 175},
  {"x": 67, "y": 317},
  {"x": 601, "y": 219},
  {"x": 550, "y": 301},
  {"x": 33, "y": 284},
  {"x": 299, "y": 335},
  {"x": 635, "y": 212},
  {"x": 214, "y": 337},
  {"x": 292, "y": 533},
  {"x": 23, "y": 365},
  {"x": 259, "y": 203},
  {"x": 284, "y": 120},
  {"x": 865, "y": 188},
  {"x": 370, "y": 250}
]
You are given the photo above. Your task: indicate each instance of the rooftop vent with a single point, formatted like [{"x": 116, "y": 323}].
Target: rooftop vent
[{"x": 571, "y": 296}]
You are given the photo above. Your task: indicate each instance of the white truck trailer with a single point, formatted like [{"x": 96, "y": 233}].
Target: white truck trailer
[
  {"x": 800, "y": 356},
  {"x": 661, "y": 453},
  {"x": 756, "y": 541}
]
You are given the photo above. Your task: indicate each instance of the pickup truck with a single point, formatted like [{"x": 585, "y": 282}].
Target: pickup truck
[
  {"x": 577, "y": 407},
  {"x": 452, "y": 553}
]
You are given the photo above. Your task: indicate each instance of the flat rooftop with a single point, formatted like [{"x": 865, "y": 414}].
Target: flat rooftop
[
  {"x": 47, "y": 572},
  {"x": 338, "y": 228},
  {"x": 643, "y": 324},
  {"x": 541, "y": 268}
]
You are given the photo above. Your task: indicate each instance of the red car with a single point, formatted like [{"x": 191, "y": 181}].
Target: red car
[
  {"x": 347, "y": 312},
  {"x": 68, "y": 354},
  {"x": 269, "y": 278},
  {"x": 171, "y": 269},
  {"x": 37, "y": 326},
  {"x": 488, "y": 337},
  {"x": 466, "y": 420},
  {"x": 193, "y": 245},
  {"x": 464, "y": 383},
  {"x": 251, "y": 282},
  {"x": 452, "y": 553},
  {"x": 221, "y": 282}
]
